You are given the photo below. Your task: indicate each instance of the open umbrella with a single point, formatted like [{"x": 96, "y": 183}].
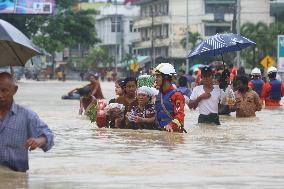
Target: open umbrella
[
  {"x": 196, "y": 67},
  {"x": 220, "y": 44},
  {"x": 15, "y": 48}
]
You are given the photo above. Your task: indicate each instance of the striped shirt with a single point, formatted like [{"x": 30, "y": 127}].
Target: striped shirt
[{"x": 16, "y": 127}]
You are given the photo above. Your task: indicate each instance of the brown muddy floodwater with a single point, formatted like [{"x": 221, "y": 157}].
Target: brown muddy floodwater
[{"x": 242, "y": 153}]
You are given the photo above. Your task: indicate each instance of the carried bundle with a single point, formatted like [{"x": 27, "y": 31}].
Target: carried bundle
[
  {"x": 146, "y": 80},
  {"x": 111, "y": 106},
  {"x": 98, "y": 114}
]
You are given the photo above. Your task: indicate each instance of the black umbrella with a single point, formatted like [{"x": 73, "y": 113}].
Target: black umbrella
[{"x": 15, "y": 48}]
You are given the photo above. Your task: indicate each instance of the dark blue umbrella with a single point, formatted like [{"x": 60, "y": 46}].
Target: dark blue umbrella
[{"x": 220, "y": 44}]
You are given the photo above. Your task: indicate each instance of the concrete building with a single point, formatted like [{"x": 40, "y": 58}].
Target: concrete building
[
  {"x": 117, "y": 38},
  {"x": 167, "y": 20},
  {"x": 276, "y": 8}
]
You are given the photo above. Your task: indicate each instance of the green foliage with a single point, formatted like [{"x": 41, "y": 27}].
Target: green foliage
[
  {"x": 193, "y": 38},
  {"x": 265, "y": 37},
  {"x": 97, "y": 56},
  {"x": 92, "y": 113},
  {"x": 129, "y": 58},
  {"x": 54, "y": 32}
]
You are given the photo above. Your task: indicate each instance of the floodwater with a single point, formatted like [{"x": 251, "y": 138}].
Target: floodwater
[{"x": 242, "y": 153}]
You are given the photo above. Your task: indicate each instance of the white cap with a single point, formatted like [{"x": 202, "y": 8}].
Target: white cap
[
  {"x": 256, "y": 71},
  {"x": 145, "y": 90},
  {"x": 166, "y": 68},
  {"x": 272, "y": 69}
]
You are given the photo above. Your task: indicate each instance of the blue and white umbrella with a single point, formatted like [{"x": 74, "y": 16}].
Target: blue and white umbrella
[{"x": 220, "y": 44}]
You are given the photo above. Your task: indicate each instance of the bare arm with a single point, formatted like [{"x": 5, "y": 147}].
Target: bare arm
[
  {"x": 257, "y": 102},
  {"x": 193, "y": 104},
  {"x": 138, "y": 119},
  {"x": 95, "y": 89}
]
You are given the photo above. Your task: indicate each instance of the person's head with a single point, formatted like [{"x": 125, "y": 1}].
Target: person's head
[
  {"x": 119, "y": 87},
  {"x": 272, "y": 72},
  {"x": 144, "y": 95},
  {"x": 182, "y": 81},
  {"x": 207, "y": 75},
  {"x": 8, "y": 89},
  {"x": 190, "y": 72},
  {"x": 217, "y": 78},
  {"x": 92, "y": 78},
  {"x": 130, "y": 86},
  {"x": 181, "y": 72},
  {"x": 96, "y": 76},
  {"x": 241, "y": 71},
  {"x": 256, "y": 73},
  {"x": 164, "y": 74},
  {"x": 241, "y": 82}
]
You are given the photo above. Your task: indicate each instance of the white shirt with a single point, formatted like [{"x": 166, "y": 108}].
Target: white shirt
[{"x": 209, "y": 105}]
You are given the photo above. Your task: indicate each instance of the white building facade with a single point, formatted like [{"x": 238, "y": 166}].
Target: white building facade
[
  {"x": 207, "y": 17},
  {"x": 117, "y": 38}
]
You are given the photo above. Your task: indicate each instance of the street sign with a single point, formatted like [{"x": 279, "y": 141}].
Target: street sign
[
  {"x": 281, "y": 52},
  {"x": 267, "y": 62},
  {"x": 135, "y": 67}
]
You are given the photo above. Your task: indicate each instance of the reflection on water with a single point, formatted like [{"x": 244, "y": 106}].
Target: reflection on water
[{"x": 241, "y": 153}]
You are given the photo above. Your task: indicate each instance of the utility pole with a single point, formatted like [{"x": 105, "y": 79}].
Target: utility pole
[
  {"x": 187, "y": 47},
  {"x": 116, "y": 34},
  {"x": 238, "y": 27},
  {"x": 153, "y": 53}
]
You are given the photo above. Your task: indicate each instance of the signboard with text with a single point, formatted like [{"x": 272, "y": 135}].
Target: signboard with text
[
  {"x": 27, "y": 6},
  {"x": 281, "y": 52}
]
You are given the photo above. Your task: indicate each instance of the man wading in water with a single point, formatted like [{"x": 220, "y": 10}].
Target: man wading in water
[
  {"x": 169, "y": 102},
  {"x": 206, "y": 97}
]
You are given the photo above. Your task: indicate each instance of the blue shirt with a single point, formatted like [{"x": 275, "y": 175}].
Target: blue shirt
[
  {"x": 16, "y": 127},
  {"x": 185, "y": 91}
]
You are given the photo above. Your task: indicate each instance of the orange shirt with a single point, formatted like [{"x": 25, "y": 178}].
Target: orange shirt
[
  {"x": 250, "y": 85},
  {"x": 265, "y": 95}
]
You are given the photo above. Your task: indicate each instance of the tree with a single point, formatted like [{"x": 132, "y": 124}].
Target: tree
[
  {"x": 96, "y": 57},
  {"x": 265, "y": 37},
  {"x": 193, "y": 38},
  {"x": 54, "y": 32}
]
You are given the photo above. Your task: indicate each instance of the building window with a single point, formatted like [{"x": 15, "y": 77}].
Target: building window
[
  {"x": 219, "y": 6},
  {"x": 212, "y": 30},
  {"x": 114, "y": 27},
  {"x": 130, "y": 26},
  {"x": 130, "y": 49}
]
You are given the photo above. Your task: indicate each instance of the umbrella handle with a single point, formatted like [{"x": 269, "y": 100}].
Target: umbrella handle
[{"x": 223, "y": 62}]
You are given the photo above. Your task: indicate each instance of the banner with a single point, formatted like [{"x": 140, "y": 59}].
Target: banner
[
  {"x": 281, "y": 52},
  {"x": 27, "y": 6}
]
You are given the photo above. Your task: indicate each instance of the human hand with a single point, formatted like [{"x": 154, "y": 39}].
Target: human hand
[
  {"x": 33, "y": 143},
  {"x": 138, "y": 119},
  {"x": 116, "y": 113},
  {"x": 204, "y": 96},
  {"x": 169, "y": 128}
]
